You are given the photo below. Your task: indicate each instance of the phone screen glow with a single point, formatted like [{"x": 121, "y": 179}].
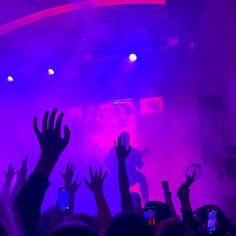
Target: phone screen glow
[
  {"x": 63, "y": 199},
  {"x": 149, "y": 215},
  {"x": 212, "y": 221}
]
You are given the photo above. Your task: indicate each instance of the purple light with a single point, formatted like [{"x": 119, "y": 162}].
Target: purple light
[{"x": 133, "y": 57}]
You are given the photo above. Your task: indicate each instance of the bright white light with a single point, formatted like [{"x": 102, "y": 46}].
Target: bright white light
[
  {"x": 133, "y": 57},
  {"x": 10, "y": 79},
  {"x": 51, "y": 72}
]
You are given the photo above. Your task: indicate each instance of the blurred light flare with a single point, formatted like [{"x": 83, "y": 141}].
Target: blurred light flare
[
  {"x": 133, "y": 57},
  {"x": 51, "y": 72},
  {"x": 10, "y": 78}
]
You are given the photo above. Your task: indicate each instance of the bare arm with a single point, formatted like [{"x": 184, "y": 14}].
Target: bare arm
[
  {"x": 29, "y": 199},
  {"x": 186, "y": 208},
  {"x": 21, "y": 178},
  {"x": 122, "y": 153},
  {"x": 51, "y": 142},
  {"x": 96, "y": 186},
  {"x": 9, "y": 175},
  {"x": 168, "y": 198}
]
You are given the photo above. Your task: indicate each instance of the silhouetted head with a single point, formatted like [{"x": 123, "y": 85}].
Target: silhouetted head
[
  {"x": 84, "y": 219},
  {"x": 73, "y": 229},
  {"x": 172, "y": 227},
  {"x": 128, "y": 224},
  {"x": 162, "y": 210},
  {"x": 198, "y": 234}
]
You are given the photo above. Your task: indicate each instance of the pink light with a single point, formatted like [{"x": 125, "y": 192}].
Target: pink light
[{"x": 62, "y": 9}]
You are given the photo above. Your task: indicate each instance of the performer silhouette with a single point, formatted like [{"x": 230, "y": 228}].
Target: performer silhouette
[{"x": 134, "y": 162}]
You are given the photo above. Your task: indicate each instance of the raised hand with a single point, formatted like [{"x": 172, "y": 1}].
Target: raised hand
[
  {"x": 21, "y": 178},
  {"x": 165, "y": 186},
  {"x": 10, "y": 173},
  {"x": 168, "y": 198},
  {"x": 70, "y": 185},
  {"x": 96, "y": 180},
  {"x": 183, "y": 191},
  {"x": 121, "y": 151},
  {"x": 69, "y": 174},
  {"x": 51, "y": 142},
  {"x": 96, "y": 186},
  {"x": 189, "y": 181}
]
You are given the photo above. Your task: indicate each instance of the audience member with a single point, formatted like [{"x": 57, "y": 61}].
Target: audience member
[
  {"x": 73, "y": 229},
  {"x": 24, "y": 217},
  {"x": 172, "y": 227},
  {"x": 127, "y": 224},
  {"x": 168, "y": 198},
  {"x": 96, "y": 186}
]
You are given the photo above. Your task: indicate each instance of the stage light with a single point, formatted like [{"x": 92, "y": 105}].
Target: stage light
[
  {"x": 51, "y": 72},
  {"x": 10, "y": 79},
  {"x": 133, "y": 57}
]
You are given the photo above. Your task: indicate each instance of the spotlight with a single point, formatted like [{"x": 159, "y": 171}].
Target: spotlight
[
  {"x": 51, "y": 72},
  {"x": 10, "y": 79},
  {"x": 133, "y": 57}
]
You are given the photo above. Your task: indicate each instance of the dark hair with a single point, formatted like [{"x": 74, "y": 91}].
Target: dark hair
[
  {"x": 198, "y": 234},
  {"x": 128, "y": 224},
  {"x": 163, "y": 211},
  {"x": 73, "y": 229},
  {"x": 84, "y": 219},
  {"x": 172, "y": 227}
]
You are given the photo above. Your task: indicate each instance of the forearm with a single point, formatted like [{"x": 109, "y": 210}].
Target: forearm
[
  {"x": 187, "y": 213},
  {"x": 6, "y": 188},
  {"x": 17, "y": 187},
  {"x": 28, "y": 201},
  {"x": 71, "y": 202},
  {"x": 126, "y": 200},
  {"x": 104, "y": 213},
  {"x": 45, "y": 166},
  {"x": 169, "y": 202},
  {"x": 188, "y": 219},
  {"x": 186, "y": 205}
]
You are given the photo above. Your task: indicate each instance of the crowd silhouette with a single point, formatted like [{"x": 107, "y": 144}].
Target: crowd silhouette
[{"x": 21, "y": 207}]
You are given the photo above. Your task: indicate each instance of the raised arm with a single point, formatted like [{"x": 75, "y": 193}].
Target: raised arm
[
  {"x": 96, "y": 186},
  {"x": 168, "y": 197},
  {"x": 28, "y": 201},
  {"x": 50, "y": 141},
  {"x": 21, "y": 178},
  {"x": 9, "y": 175},
  {"x": 122, "y": 153},
  {"x": 186, "y": 208},
  {"x": 70, "y": 184}
]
